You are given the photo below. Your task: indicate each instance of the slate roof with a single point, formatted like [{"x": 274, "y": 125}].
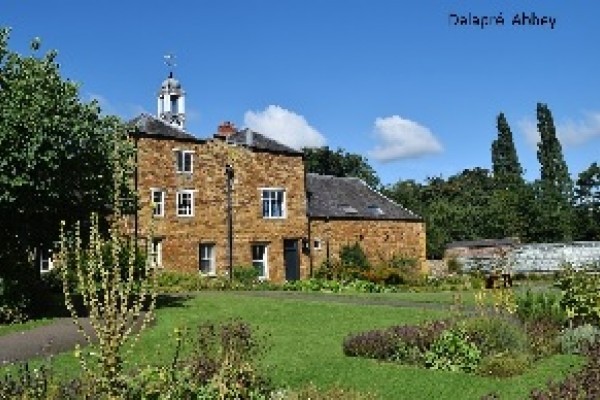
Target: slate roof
[
  {"x": 148, "y": 125},
  {"x": 350, "y": 198},
  {"x": 483, "y": 243},
  {"x": 260, "y": 142}
]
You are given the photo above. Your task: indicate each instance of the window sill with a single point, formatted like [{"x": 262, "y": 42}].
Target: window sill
[
  {"x": 274, "y": 217},
  {"x": 185, "y": 216}
]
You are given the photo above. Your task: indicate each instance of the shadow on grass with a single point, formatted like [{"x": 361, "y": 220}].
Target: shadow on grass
[{"x": 53, "y": 305}]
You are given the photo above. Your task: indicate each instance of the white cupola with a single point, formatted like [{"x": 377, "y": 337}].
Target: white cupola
[{"x": 171, "y": 102}]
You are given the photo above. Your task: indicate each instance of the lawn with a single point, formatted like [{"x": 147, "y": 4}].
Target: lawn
[
  {"x": 34, "y": 323},
  {"x": 305, "y": 345}
]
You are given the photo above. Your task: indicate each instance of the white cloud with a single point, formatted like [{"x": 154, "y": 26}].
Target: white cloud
[
  {"x": 570, "y": 133},
  {"x": 401, "y": 138},
  {"x": 285, "y": 126}
]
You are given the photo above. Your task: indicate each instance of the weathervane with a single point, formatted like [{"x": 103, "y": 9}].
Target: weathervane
[{"x": 170, "y": 62}]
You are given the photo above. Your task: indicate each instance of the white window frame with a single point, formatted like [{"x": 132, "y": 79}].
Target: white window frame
[
  {"x": 46, "y": 262},
  {"x": 160, "y": 206},
  {"x": 181, "y": 155},
  {"x": 264, "y": 260},
  {"x": 317, "y": 244},
  {"x": 212, "y": 270},
  {"x": 177, "y": 197},
  {"x": 156, "y": 252},
  {"x": 263, "y": 198}
]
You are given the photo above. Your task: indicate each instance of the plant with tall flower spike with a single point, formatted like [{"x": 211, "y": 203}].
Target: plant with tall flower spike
[{"x": 114, "y": 291}]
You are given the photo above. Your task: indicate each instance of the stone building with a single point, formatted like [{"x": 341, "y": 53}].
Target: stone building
[
  {"x": 242, "y": 191},
  {"x": 344, "y": 211}
]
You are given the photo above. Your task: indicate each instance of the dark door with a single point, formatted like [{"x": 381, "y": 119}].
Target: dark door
[{"x": 291, "y": 259}]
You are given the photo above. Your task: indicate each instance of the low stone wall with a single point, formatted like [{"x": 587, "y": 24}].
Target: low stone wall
[{"x": 539, "y": 257}]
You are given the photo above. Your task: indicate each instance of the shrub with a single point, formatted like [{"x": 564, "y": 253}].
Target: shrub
[
  {"x": 496, "y": 334},
  {"x": 543, "y": 338},
  {"x": 580, "y": 295},
  {"x": 533, "y": 306},
  {"x": 453, "y": 352},
  {"x": 584, "y": 384},
  {"x": 454, "y": 266},
  {"x": 576, "y": 340},
  {"x": 503, "y": 365},
  {"x": 378, "y": 344},
  {"x": 246, "y": 275},
  {"x": 421, "y": 336},
  {"x": 353, "y": 256}
]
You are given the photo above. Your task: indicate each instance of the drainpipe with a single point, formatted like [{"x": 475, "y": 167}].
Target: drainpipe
[
  {"x": 135, "y": 184},
  {"x": 229, "y": 174}
]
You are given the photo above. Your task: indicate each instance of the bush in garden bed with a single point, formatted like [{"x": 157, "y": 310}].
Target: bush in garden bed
[
  {"x": 496, "y": 334},
  {"x": 492, "y": 345},
  {"x": 504, "y": 365},
  {"x": 576, "y": 340}
]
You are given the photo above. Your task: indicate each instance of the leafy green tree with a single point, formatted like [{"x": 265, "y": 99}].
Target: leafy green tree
[
  {"x": 555, "y": 191},
  {"x": 406, "y": 193},
  {"x": 323, "y": 160},
  {"x": 587, "y": 204},
  {"x": 55, "y": 156}
]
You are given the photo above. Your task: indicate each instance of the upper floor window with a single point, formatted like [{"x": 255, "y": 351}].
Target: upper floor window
[
  {"x": 273, "y": 203},
  {"x": 185, "y": 203},
  {"x": 158, "y": 202},
  {"x": 185, "y": 161}
]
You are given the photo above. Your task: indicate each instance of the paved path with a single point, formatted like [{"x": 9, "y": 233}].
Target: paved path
[{"x": 62, "y": 335}]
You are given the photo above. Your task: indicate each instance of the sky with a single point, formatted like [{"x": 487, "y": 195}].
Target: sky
[{"x": 413, "y": 86}]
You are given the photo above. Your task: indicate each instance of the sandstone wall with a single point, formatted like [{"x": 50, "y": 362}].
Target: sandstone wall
[
  {"x": 380, "y": 239},
  {"x": 181, "y": 236}
]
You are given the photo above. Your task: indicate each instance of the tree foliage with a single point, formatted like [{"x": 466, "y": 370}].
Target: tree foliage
[
  {"x": 587, "y": 204},
  {"x": 55, "y": 155},
  {"x": 323, "y": 160},
  {"x": 555, "y": 188},
  {"x": 505, "y": 162}
]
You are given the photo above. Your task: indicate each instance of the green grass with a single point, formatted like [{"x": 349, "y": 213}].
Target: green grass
[
  {"x": 305, "y": 345},
  {"x": 12, "y": 328}
]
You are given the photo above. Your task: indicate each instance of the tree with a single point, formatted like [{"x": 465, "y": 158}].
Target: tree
[
  {"x": 505, "y": 208},
  {"x": 587, "y": 204},
  {"x": 505, "y": 163},
  {"x": 322, "y": 160},
  {"x": 406, "y": 193},
  {"x": 55, "y": 156},
  {"x": 555, "y": 192}
]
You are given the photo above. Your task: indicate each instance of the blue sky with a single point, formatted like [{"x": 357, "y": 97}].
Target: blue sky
[{"x": 395, "y": 81}]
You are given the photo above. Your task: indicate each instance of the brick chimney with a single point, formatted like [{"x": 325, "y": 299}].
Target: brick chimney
[{"x": 224, "y": 130}]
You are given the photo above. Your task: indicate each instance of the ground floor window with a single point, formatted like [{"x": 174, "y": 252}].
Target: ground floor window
[
  {"x": 207, "y": 259},
  {"x": 156, "y": 252},
  {"x": 46, "y": 262},
  {"x": 259, "y": 260}
]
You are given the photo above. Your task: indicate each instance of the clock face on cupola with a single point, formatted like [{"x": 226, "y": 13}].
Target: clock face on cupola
[{"x": 171, "y": 98}]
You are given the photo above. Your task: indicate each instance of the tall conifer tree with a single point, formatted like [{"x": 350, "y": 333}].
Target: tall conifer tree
[
  {"x": 556, "y": 187},
  {"x": 506, "y": 201},
  {"x": 505, "y": 163}
]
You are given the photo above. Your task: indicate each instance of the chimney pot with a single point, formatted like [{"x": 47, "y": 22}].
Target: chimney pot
[{"x": 225, "y": 129}]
